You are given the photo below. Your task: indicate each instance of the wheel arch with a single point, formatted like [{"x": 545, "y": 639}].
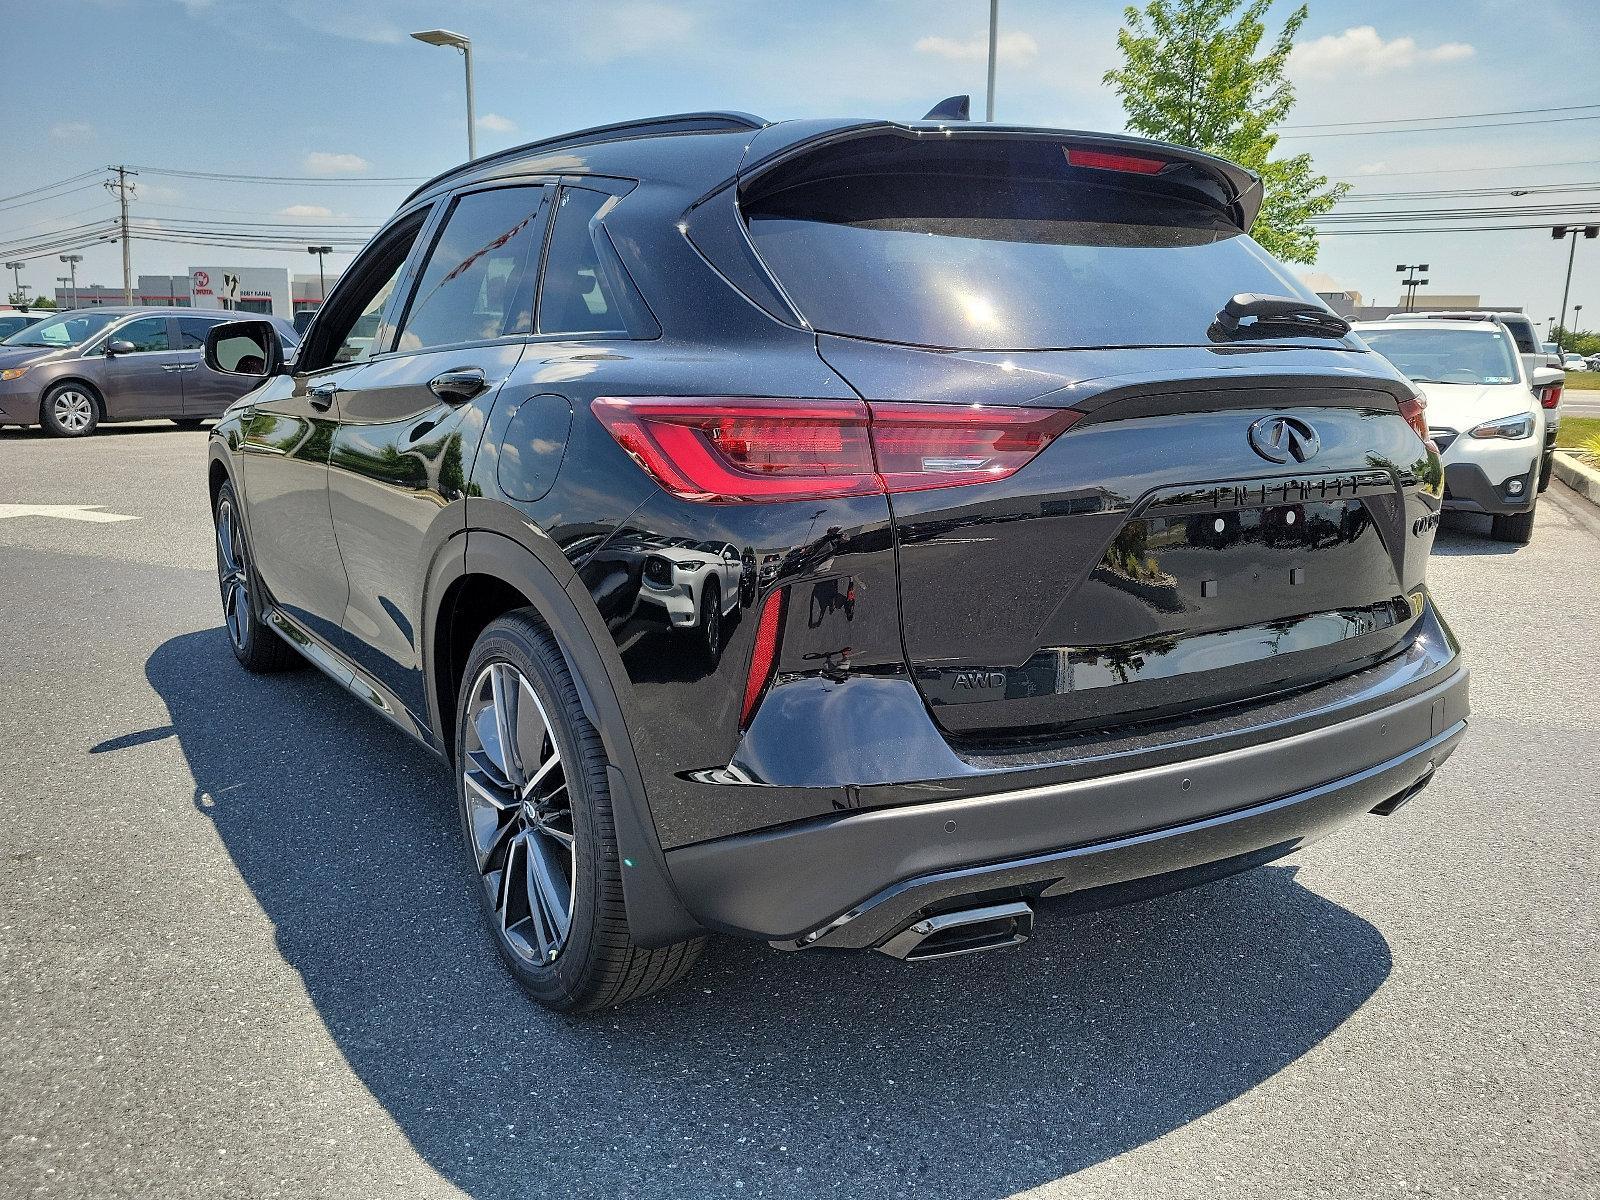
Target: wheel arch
[{"x": 482, "y": 575}]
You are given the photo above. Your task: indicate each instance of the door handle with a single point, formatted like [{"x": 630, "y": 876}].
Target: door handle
[
  {"x": 457, "y": 387},
  {"x": 321, "y": 395}
]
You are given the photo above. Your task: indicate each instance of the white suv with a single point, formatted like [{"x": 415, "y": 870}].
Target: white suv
[{"x": 1482, "y": 413}]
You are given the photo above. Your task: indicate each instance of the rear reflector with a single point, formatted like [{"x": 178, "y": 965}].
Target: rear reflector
[
  {"x": 728, "y": 450},
  {"x": 1104, "y": 161},
  {"x": 764, "y": 658}
]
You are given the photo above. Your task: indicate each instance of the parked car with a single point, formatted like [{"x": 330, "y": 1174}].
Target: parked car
[
  {"x": 1574, "y": 362},
  {"x": 698, "y": 584},
  {"x": 1542, "y": 369},
  {"x": 15, "y": 320},
  {"x": 1114, "y": 583},
  {"x": 76, "y": 369},
  {"x": 1593, "y": 362},
  {"x": 1482, "y": 414}
]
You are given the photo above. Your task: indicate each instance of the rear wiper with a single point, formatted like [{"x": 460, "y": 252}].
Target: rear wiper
[{"x": 1252, "y": 315}]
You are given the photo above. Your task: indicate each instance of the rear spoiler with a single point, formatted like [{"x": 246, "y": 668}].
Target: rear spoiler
[{"x": 783, "y": 142}]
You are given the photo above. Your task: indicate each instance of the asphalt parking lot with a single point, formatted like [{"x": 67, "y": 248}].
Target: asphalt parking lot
[{"x": 242, "y": 956}]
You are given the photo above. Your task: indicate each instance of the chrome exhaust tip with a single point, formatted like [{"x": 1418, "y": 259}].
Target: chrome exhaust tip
[{"x": 966, "y": 931}]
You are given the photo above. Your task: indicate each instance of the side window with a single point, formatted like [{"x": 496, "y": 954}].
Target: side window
[
  {"x": 474, "y": 287},
  {"x": 146, "y": 334},
  {"x": 348, "y": 328},
  {"x": 574, "y": 296},
  {"x": 192, "y": 332}
]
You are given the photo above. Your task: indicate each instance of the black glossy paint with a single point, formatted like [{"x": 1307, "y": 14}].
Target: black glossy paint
[{"x": 1082, "y": 618}]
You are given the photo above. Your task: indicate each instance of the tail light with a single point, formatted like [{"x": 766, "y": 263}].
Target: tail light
[
  {"x": 764, "y": 658},
  {"x": 725, "y": 450},
  {"x": 1551, "y": 396},
  {"x": 1415, "y": 411}
]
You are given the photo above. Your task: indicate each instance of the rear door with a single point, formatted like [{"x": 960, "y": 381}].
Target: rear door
[
  {"x": 410, "y": 423},
  {"x": 1224, "y": 516},
  {"x": 148, "y": 380},
  {"x": 205, "y": 392}
]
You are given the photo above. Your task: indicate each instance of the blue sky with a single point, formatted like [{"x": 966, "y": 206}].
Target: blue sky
[{"x": 333, "y": 90}]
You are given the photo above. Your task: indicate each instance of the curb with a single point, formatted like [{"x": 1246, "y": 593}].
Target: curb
[{"x": 1578, "y": 476}]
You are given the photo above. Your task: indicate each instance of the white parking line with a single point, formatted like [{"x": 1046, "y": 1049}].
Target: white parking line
[{"x": 66, "y": 512}]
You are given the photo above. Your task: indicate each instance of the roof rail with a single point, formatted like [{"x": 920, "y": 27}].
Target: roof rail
[{"x": 698, "y": 122}]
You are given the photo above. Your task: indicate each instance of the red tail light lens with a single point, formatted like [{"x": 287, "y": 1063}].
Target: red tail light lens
[
  {"x": 1551, "y": 396},
  {"x": 738, "y": 449},
  {"x": 764, "y": 658},
  {"x": 921, "y": 446},
  {"x": 1104, "y": 161},
  {"x": 1415, "y": 411}
]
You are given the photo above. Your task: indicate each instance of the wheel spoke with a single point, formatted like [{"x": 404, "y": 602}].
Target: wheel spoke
[
  {"x": 548, "y": 893},
  {"x": 506, "y": 686}
]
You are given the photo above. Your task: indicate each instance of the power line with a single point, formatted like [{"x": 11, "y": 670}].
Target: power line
[
  {"x": 1510, "y": 112},
  {"x": 1445, "y": 129},
  {"x": 1527, "y": 190},
  {"x": 335, "y": 181},
  {"x": 56, "y": 196},
  {"x": 1322, "y": 233},
  {"x": 46, "y": 187},
  {"x": 1588, "y": 162}
]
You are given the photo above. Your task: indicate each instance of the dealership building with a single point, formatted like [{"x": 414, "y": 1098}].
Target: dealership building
[{"x": 245, "y": 289}]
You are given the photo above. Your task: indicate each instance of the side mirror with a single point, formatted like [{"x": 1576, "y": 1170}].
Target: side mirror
[
  {"x": 119, "y": 346},
  {"x": 249, "y": 348}
]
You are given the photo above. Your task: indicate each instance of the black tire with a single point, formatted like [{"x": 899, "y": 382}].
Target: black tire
[
  {"x": 188, "y": 422},
  {"x": 257, "y": 647},
  {"x": 597, "y": 964},
  {"x": 1545, "y": 468},
  {"x": 710, "y": 623},
  {"x": 1514, "y": 527},
  {"x": 70, "y": 410}
]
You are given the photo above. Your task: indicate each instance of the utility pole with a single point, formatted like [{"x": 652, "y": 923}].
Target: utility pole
[
  {"x": 122, "y": 189},
  {"x": 1562, "y": 231},
  {"x": 72, "y": 261},
  {"x": 17, "y": 290},
  {"x": 994, "y": 47}
]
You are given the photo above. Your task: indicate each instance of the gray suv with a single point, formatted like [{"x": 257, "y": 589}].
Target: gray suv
[{"x": 79, "y": 368}]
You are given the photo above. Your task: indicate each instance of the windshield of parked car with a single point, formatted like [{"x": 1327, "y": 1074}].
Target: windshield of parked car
[
  {"x": 1003, "y": 246},
  {"x": 72, "y": 329},
  {"x": 1464, "y": 356}
]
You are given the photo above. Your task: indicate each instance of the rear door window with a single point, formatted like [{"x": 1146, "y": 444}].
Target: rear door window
[
  {"x": 477, "y": 285},
  {"x": 575, "y": 297},
  {"x": 1002, "y": 246},
  {"x": 192, "y": 332}
]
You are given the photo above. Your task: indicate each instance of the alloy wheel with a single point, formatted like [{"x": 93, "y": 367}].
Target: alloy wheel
[
  {"x": 233, "y": 575},
  {"x": 519, "y": 814},
  {"x": 73, "y": 410}
]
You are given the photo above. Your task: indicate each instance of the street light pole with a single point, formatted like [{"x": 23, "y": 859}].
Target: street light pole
[
  {"x": 17, "y": 289},
  {"x": 1570, "y": 231},
  {"x": 443, "y": 37},
  {"x": 994, "y": 47},
  {"x": 1411, "y": 282},
  {"x": 72, "y": 261},
  {"x": 322, "y": 282}
]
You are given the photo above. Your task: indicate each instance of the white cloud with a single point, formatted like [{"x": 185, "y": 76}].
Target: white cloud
[
  {"x": 605, "y": 33},
  {"x": 495, "y": 123},
  {"x": 1372, "y": 168},
  {"x": 1011, "y": 48},
  {"x": 305, "y": 210},
  {"x": 72, "y": 131},
  {"x": 321, "y": 162},
  {"x": 1360, "y": 50}
]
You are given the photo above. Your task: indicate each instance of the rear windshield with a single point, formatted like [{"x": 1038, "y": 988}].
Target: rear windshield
[
  {"x": 1004, "y": 249},
  {"x": 1465, "y": 356}
]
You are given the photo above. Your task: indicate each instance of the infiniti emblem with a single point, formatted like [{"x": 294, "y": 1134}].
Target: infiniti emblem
[{"x": 1279, "y": 439}]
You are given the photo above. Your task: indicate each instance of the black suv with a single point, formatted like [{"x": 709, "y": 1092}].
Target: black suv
[{"x": 847, "y": 534}]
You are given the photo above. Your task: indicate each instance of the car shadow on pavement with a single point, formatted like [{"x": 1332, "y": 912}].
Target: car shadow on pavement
[{"x": 764, "y": 1073}]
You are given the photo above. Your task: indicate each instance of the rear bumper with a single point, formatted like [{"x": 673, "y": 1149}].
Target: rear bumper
[{"x": 853, "y": 881}]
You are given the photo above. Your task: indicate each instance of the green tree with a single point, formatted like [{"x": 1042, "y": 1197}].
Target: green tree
[{"x": 1195, "y": 72}]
